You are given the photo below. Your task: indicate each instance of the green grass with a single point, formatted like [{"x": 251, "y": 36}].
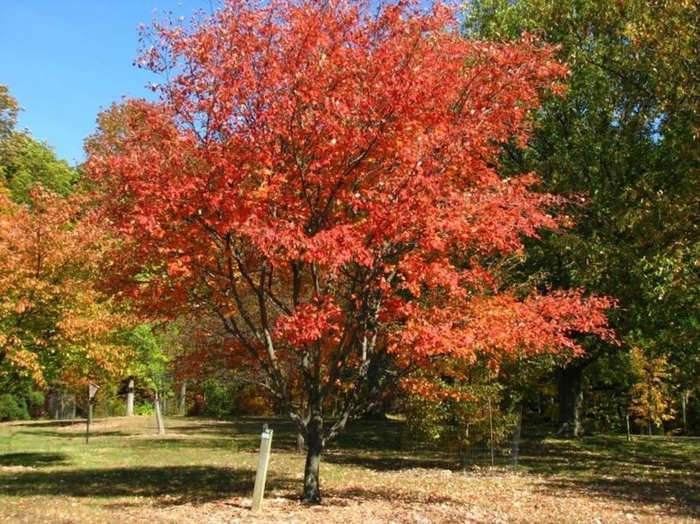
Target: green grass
[{"x": 48, "y": 472}]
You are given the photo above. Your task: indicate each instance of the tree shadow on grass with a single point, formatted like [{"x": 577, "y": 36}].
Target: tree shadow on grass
[
  {"x": 610, "y": 455},
  {"x": 383, "y": 494},
  {"x": 48, "y": 423},
  {"x": 662, "y": 472},
  {"x": 245, "y": 432},
  {"x": 173, "y": 484},
  {"x": 390, "y": 461},
  {"x": 32, "y": 460},
  {"x": 74, "y": 435},
  {"x": 676, "y": 493}
]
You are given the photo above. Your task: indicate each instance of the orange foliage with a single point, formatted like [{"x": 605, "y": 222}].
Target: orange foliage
[{"x": 53, "y": 322}]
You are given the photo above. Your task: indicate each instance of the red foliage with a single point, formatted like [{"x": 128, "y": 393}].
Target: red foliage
[{"x": 323, "y": 177}]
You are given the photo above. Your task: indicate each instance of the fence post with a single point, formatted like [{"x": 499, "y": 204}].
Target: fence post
[
  {"x": 263, "y": 462},
  {"x": 92, "y": 391}
]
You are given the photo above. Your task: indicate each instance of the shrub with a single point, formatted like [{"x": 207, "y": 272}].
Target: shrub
[{"x": 13, "y": 408}]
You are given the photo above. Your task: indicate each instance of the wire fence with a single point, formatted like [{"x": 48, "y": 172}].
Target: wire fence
[
  {"x": 68, "y": 407},
  {"x": 453, "y": 447}
]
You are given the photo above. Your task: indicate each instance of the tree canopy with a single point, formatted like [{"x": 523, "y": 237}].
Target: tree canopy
[{"x": 323, "y": 178}]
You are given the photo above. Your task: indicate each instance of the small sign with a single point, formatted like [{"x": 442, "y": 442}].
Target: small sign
[{"x": 92, "y": 390}]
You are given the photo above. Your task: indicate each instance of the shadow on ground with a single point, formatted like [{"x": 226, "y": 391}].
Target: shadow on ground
[
  {"x": 677, "y": 493},
  {"x": 388, "y": 462},
  {"x": 382, "y": 494},
  {"x": 32, "y": 460},
  {"x": 176, "y": 485},
  {"x": 663, "y": 472}
]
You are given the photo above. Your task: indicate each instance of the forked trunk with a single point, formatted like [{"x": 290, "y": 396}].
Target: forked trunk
[
  {"x": 314, "y": 448},
  {"x": 312, "y": 489}
]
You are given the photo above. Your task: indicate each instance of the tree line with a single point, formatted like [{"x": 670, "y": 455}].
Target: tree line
[{"x": 344, "y": 210}]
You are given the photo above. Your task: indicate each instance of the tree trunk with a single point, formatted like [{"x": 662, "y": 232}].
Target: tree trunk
[
  {"x": 183, "y": 398},
  {"x": 684, "y": 410},
  {"x": 569, "y": 381},
  {"x": 130, "y": 398},
  {"x": 159, "y": 415},
  {"x": 314, "y": 447},
  {"x": 312, "y": 491}
]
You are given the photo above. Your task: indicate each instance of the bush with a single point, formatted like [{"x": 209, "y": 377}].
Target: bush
[
  {"x": 218, "y": 398},
  {"x": 13, "y": 408},
  {"x": 144, "y": 409}
]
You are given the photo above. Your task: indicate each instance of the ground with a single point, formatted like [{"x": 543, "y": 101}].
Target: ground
[{"x": 203, "y": 472}]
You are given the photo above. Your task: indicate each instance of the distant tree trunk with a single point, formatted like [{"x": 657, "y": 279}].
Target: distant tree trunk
[
  {"x": 569, "y": 382},
  {"x": 314, "y": 448},
  {"x": 130, "y": 398},
  {"x": 684, "y": 411},
  {"x": 183, "y": 397},
  {"x": 159, "y": 414}
]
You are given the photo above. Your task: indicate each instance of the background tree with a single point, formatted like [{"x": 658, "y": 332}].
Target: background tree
[
  {"x": 9, "y": 108},
  {"x": 150, "y": 365},
  {"x": 26, "y": 163},
  {"x": 54, "y": 324},
  {"x": 52, "y": 321},
  {"x": 322, "y": 178},
  {"x": 651, "y": 402},
  {"x": 620, "y": 148}
]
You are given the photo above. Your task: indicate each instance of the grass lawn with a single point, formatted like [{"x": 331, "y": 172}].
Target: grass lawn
[{"x": 203, "y": 471}]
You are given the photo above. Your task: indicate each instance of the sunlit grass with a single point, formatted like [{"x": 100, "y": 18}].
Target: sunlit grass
[{"x": 127, "y": 472}]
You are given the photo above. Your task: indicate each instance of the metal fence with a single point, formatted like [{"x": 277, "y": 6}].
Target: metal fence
[{"x": 452, "y": 447}]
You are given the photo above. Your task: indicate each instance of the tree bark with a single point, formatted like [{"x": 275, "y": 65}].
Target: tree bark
[
  {"x": 183, "y": 397},
  {"x": 684, "y": 410},
  {"x": 569, "y": 382},
  {"x": 130, "y": 398},
  {"x": 159, "y": 414},
  {"x": 314, "y": 448}
]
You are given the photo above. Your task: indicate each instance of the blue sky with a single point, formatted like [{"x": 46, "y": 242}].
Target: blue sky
[{"x": 65, "y": 60}]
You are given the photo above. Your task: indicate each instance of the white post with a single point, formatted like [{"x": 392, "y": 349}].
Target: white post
[{"x": 261, "y": 475}]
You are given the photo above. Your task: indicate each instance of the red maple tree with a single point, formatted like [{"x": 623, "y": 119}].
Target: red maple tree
[{"x": 322, "y": 176}]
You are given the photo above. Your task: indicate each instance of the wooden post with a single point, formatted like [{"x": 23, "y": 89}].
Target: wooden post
[
  {"x": 92, "y": 391},
  {"x": 491, "y": 433},
  {"x": 684, "y": 404},
  {"x": 88, "y": 420},
  {"x": 263, "y": 461}
]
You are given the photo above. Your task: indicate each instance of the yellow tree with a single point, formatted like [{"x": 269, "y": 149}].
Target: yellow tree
[{"x": 651, "y": 396}]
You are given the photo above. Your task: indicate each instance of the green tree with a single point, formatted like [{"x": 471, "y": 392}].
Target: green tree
[
  {"x": 26, "y": 163},
  {"x": 9, "y": 108},
  {"x": 150, "y": 363},
  {"x": 620, "y": 149}
]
